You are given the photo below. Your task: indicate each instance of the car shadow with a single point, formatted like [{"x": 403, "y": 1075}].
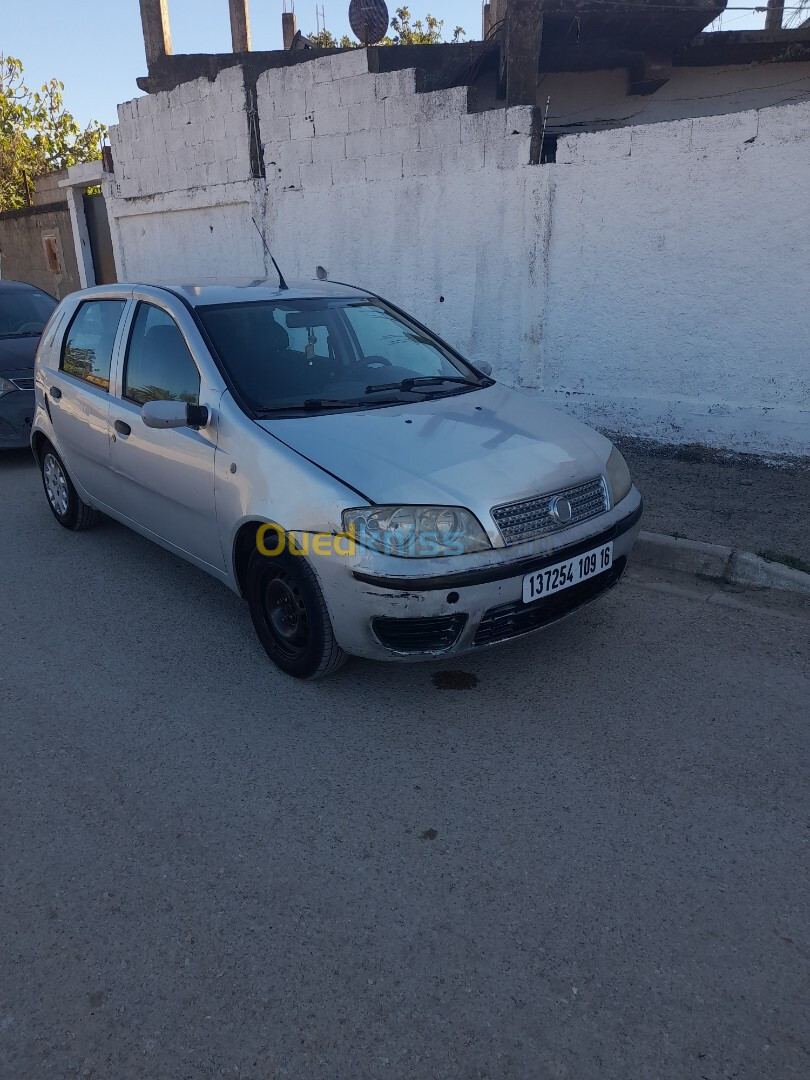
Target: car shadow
[{"x": 21, "y": 458}]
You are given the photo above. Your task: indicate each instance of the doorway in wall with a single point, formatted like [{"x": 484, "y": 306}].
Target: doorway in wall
[{"x": 98, "y": 231}]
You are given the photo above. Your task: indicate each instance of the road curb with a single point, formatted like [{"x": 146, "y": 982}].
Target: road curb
[{"x": 716, "y": 562}]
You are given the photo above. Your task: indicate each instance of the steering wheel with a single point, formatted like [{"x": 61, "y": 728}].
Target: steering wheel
[
  {"x": 29, "y": 328},
  {"x": 375, "y": 361}
]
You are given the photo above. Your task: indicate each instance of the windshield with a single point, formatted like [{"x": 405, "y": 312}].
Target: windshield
[
  {"x": 24, "y": 312},
  {"x": 311, "y": 354}
]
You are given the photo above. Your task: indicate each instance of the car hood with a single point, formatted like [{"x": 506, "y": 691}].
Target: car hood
[
  {"x": 17, "y": 356},
  {"x": 478, "y": 449}
]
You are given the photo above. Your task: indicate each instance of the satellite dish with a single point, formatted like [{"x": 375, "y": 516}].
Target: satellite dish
[{"x": 368, "y": 20}]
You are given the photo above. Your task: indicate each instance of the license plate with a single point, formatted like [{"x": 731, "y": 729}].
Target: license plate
[{"x": 563, "y": 575}]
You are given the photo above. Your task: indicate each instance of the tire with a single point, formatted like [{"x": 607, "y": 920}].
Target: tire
[
  {"x": 290, "y": 616},
  {"x": 65, "y": 504}
]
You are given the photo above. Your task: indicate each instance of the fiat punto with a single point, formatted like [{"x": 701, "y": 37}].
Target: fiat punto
[{"x": 367, "y": 489}]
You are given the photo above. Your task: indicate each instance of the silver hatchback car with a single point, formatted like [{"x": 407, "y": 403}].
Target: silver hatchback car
[{"x": 365, "y": 488}]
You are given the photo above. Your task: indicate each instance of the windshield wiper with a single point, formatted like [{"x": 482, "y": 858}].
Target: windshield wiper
[
  {"x": 314, "y": 404},
  {"x": 26, "y": 333},
  {"x": 407, "y": 385}
]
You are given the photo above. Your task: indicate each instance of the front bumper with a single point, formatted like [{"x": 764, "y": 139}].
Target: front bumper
[
  {"x": 381, "y": 612},
  {"x": 16, "y": 412}
]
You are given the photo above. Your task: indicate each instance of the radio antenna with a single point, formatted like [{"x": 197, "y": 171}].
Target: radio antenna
[{"x": 282, "y": 284}]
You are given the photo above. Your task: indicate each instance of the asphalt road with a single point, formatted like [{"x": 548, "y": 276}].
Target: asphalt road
[{"x": 591, "y": 864}]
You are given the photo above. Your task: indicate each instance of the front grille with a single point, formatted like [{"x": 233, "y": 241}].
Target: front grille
[
  {"x": 511, "y": 620},
  {"x": 23, "y": 384},
  {"x": 531, "y": 518},
  {"x": 419, "y": 635}
]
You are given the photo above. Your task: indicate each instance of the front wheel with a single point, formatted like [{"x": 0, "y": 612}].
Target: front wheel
[
  {"x": 67, "y": 507},
  {"x": 290, "y": 616}
]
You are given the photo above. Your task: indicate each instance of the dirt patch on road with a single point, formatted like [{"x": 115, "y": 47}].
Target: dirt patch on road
[{"x": 454, "y": 680}]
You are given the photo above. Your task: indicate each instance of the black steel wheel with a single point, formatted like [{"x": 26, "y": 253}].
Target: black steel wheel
[{"x": 290, "y": 616}]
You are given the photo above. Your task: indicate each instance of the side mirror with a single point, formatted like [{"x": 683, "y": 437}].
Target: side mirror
[
  {"x": 485, "y": 367},
  {"x": 173, "y": 414}
]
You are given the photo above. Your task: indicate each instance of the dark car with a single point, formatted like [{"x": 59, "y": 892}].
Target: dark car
[{"x": 24, "y": 310}]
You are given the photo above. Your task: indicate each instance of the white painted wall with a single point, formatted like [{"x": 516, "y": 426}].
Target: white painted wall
[
  {"x": 654, "y": 280},
  {"x": 183, "y": 201},
  {"x": 680, "y": 274}
]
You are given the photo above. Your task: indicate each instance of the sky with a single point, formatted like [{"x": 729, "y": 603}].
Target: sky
[{"x": 97, "y": 50}]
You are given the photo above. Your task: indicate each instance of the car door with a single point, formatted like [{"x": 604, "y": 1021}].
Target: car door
[
  {"x": 77, "y": 390},
  {"x": 164, "y": 476}
]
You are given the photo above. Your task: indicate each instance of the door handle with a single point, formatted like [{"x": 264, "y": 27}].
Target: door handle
[
  {"x": 56, "y": 393},
  {"x": 122, "y": 428}
]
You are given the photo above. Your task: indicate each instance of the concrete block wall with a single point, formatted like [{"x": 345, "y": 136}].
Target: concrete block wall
[
  {"x": 193, "y": 136},
  {"x": 47, "y": 190},
  {"x": 22, "y": 253},
  {"x": 652, "y": 281},
  {"x": 330, "y": 123}
]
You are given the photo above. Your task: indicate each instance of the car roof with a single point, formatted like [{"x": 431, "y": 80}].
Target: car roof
[
  {"x": 8, "y": 285},
  {"x": 248, "y": 292}
]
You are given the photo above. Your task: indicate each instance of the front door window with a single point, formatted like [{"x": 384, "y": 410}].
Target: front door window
[{"x": 159, "y": 365}]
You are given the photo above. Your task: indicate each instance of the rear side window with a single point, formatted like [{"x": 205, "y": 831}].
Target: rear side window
[
  {"x": 159, "y": 365},
  {"x": 88, "y": 349}
]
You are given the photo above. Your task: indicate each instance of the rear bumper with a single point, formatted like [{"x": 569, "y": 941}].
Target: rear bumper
[
  {"x": 16, "y": 413},
  {"x": 397, "y": 617}
]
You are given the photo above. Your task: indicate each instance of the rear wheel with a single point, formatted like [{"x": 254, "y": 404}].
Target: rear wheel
[
  {"x": 67, "y": 507},
  {"x": 290, "y": 616}
]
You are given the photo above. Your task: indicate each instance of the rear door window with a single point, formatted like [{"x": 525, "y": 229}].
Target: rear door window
[
  {"x": 89, "y": 342},
  {"x": 159, "y": 365}
]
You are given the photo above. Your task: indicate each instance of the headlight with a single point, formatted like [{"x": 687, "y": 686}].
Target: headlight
[
  {"x": 416, "y": 532},
  {"x": 6, "y": 387},
  {"x": 618, "y": 476}
]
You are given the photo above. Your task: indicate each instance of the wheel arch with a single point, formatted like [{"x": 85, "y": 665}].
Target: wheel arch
[
  {"x": 244, "y": 543},
  {"x": 38, "y": 442}
]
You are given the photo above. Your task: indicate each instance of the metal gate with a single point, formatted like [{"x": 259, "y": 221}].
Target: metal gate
[{"x": 98, "y": 229}]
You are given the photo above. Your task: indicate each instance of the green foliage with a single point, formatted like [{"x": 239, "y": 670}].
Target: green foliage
[
  {"x": 327, "y": 40},
  {"x": 428, "y": 32},
  {"x": 37, "y": 134}
]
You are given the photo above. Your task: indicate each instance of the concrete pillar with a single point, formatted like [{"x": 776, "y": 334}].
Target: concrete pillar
[
  {"x": 288, "y": 28},
  {"x": 524, "y": 33},
  {"x": 240, "y": 25},
  {"x": 486, "y": 20},
  {"x": 774, "y": 14},
  {"x": 157, "y": 35},
  {"x": 648, "y": 71},
  {"x": 81, "y": 238}
]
